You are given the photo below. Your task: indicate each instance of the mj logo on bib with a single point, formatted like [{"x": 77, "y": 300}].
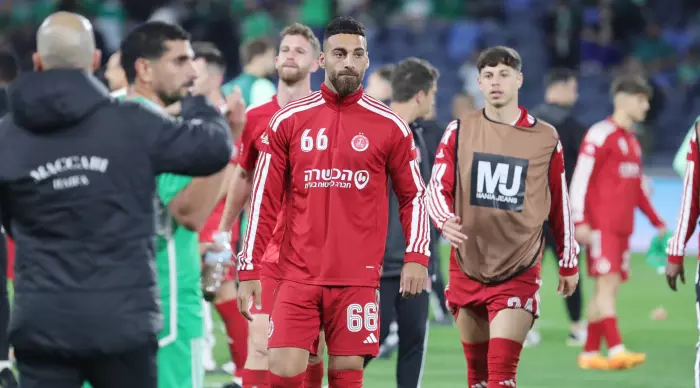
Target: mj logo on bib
[{"x": 498, "y": 181}]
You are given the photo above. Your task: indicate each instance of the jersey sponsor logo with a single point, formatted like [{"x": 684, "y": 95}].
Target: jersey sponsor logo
[
  {"x": 629, "y": 170},
  {"x": 359, "y": 142},
  {"x": 335, "y": 177},
  {"x": 498, "y": 181}
]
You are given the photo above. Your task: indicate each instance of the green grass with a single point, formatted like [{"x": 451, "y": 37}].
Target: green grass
[{"x": 669, "y": 344}]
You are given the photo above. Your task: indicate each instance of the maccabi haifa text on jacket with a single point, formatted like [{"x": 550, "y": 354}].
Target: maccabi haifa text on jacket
[
  {"x": 503, "y": 181},
  {"x": 332, "y": 157}
]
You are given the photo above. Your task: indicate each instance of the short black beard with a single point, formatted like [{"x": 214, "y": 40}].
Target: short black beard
[
  {"x": 345, "y": 88},
  {"x": 169, "y": 98}
]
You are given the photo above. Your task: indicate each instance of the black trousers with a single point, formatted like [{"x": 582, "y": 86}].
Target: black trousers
[
  {"x": 411, "y": 314},
  {"x": 4, "y": 302},
  {"x": 134, "y": 368},
  {"x": 574, "y": 302}
]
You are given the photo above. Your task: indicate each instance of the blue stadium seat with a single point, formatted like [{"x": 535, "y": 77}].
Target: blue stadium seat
[
  {"x": 463, "y": 39},
  {"x": 679, "y": 39}
]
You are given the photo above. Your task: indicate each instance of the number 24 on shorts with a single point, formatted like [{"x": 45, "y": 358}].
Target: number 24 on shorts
[{"x": 359, "y": 317}]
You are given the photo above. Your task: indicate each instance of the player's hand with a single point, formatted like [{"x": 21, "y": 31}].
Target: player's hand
[
  {"x": 662, "y": 231},
  {"x": 452, "y": 231},
  {"x": 583, "y": 234},
  {"x": 174, "y": 109},
  {"x": 235, "y": 108},
  {"x": 567, "y": 285},
  {"x": 673, "y": 271},
  {"x": 414, "y": 279},
  {"x": 249, "y": 292}
]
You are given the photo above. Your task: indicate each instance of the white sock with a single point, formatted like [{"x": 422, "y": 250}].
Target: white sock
[{"x": 615, "y": 350}]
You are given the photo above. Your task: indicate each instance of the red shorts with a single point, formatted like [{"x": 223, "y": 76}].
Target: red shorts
[
  {"x": 608, "y": 253},
  {"x": 349, "y": 317},
  {"x": 486, "y": 300}
]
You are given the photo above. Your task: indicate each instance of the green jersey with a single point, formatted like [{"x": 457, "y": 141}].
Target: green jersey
[
  {"x": 680, "y": 161},
  {"x": 255, "y": 90},
  {"x": 177, "y": 261}
]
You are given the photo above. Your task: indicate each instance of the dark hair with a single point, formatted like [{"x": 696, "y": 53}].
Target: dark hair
[
  {"x": 147, "y": 41},
  {"x": 499, "y": 55},
  {"x": 210, "y": 54},
  {"x": 303, "y": 31},
  {"x": 385, "y": 72},
  {"x": 254, "y": 48},
  {"x": 556, "y": 76},
  {"x": 631, "y": 84},
  {"x": 343, "y": 25},
  {"x": 411, "y": 76},
  {"x": 9, "y": 67}
]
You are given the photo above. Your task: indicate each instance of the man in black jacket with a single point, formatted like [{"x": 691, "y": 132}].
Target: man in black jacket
[
  {"x": 77, "y": 188},
  {"x": 9, "y": 70},
  {"x": 560, "y": 96},
  {"x": 414, "y": 84}
]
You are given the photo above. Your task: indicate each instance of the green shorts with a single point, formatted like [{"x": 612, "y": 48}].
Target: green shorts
[{"x": 180, "y": 364}]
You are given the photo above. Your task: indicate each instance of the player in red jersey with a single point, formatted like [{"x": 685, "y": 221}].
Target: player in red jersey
[
  {"x": 210, "y": 66},
  {"x": 606, "y": 188},
  {"x": 296, "y": 60},
  {"x": 687, "y": 220},
  {"x": 332, "y": 154},
  {"x": 493, "y": 217}
]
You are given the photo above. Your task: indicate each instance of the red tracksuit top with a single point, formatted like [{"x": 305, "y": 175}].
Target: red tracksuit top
[
  {"x": 332, "y": 157},
  {"x": 608, "y": 185},
  {"x": 688, "y": 213}
]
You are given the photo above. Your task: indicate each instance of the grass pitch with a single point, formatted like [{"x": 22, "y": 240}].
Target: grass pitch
[{"x": 669, "y": 344}]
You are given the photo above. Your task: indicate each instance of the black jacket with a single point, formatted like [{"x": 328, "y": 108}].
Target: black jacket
[
  {"x": 571, "y": 132},
  {"x": 395, "y": 239},
  {"x": 77, "y": 189}
]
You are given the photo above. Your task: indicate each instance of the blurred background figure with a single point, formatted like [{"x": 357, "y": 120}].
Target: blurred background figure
[
  {"x": 114, "y": 74},
  {"x": 379, "y": 83}
]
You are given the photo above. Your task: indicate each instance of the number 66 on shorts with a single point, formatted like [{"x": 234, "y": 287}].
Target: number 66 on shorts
[{"x": 349, "y": 317}]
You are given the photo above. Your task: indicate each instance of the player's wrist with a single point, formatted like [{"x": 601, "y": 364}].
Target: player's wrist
[
  {"x": 675, "y": 259},
  {"x": 413, "y": 257},
  {"x": 253, "y": 274},
  {"x": 564, "y": 271}
]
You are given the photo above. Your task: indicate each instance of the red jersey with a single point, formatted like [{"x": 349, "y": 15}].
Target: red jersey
[
  {"x": 206, "y": 234},
  {"x": 607, "y": 185},
  {"x": 333, "y": 157},
  {"x": 688, "y": 213},
  {"x": 257, "y": 119},
  {"x": 442, "y": 182}
]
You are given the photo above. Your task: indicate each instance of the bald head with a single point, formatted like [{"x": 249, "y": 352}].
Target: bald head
[{"x": 65, "y": 40}]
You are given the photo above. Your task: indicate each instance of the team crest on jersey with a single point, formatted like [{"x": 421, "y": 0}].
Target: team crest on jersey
[
  {"x": 270, "y": 329},
  {"x": 360, "y": 142},
  {"x": 623, "y": 146}
]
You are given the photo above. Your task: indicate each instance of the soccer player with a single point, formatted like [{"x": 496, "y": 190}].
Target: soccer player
[
  {"x": 413, "y": 85},
  {"x": 157, "y": 59},
  {"x": 498, "y": 176},
  {"x": 606, "y": 188},
  {"x": 687, "y": 220},
  {"x": 211, "y": 66},
  {"x": 296, "y": 60},
  {"x": 332, "y": 153},
  {"x": 379, "y": 83},
  {"x": 258, "y": 58},
  {"x": 680, "y": 160}
]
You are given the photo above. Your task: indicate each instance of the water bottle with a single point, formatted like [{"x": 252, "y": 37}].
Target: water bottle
[{"x": 215, "y": 263}]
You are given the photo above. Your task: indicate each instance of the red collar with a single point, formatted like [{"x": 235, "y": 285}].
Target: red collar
[{"x": 333, "y": 99}]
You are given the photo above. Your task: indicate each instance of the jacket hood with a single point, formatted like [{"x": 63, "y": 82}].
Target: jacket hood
[{"x": 56, "y": 99}]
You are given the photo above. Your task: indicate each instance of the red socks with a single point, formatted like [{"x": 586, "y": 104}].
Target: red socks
[
  {"x": 346, "y": 378},
  {"x": 287, "y": 382},
  {"x": 611, "y": 332},
  {"x": 503, "y": 357},
  {"x": 255, "y": 378},
  {"x": 477, "y": 363},
  {"x": 236, "y": 330},
  {"x": 595, "y": 332},
  {"x": 314, "y": 375}
]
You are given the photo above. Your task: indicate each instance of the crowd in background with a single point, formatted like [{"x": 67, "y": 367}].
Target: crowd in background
[{"x": 599, "y": 38}]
